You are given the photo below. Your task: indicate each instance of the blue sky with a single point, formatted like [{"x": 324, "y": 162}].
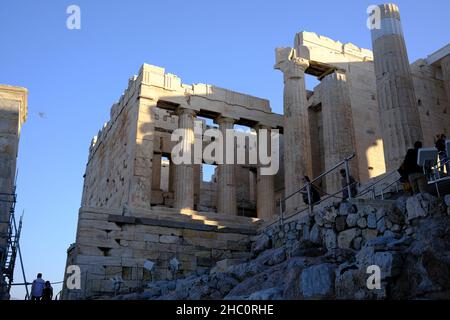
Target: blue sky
[{"x": 74, "y": 76}]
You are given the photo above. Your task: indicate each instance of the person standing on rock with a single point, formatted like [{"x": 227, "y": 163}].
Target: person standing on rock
[
  {"x": 353, "y": 185},
  {"x": 314, "y": 194},
  {"x": 416, "y": 178},
  {"x": 47, "y": 293},
  {"x": 37, "y": 288}
]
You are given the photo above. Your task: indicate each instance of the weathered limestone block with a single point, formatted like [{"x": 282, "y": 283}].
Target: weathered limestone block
[
  {"x": 92, "y": 233},
  {"x": 169, "y": 239},
  {"x": 104, "y": 243},
  {"x": 98, "y": 224},
  {"x": 98, "y": 260},
  {"x": 150, "y": 237}
]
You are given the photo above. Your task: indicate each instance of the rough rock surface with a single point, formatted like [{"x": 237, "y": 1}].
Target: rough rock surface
[{"x": 315, "y": 259}]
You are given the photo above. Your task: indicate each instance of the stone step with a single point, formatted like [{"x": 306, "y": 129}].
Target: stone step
[
  {"x": 210, "y": 218},
  {"x": 221, "y": 221}
]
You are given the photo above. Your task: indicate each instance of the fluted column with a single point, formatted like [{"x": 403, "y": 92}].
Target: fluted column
[
  {"x": 172, "y": 176},
  {"x": 445, "y": 65},
  {"x": 399, "y": 115},
  {"x": 226, "y": 179},
  {"x": 265, "y": 185},
  {"x": 295, "y": 123},
  {"x": 156, "y": 171},
  {"x": 338, "y": 134},
  {"x": 184, "y": 173}
]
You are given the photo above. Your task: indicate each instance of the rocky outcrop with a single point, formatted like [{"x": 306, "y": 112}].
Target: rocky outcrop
[{"x": 327, "y": 255}]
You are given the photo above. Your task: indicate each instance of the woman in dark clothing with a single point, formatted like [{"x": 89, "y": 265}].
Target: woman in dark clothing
[
  {"x": 315, "y": 195},
  {"x": 47, "y": 293}
]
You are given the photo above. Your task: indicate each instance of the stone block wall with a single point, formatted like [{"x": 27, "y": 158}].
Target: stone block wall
[
  {"x": 108, "y": 170},
  {"x": 110, "y": 245},
  {"x": 432, "y": 101},
  {"x": 349, "y": 225}
]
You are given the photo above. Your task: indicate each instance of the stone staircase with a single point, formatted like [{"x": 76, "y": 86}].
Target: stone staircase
[{"x": 217, "y": 221}]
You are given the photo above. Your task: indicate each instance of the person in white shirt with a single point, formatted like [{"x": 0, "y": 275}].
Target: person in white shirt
[{"x": 37, "y": 288}]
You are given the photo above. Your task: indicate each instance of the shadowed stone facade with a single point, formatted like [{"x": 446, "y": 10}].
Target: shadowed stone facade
[{"x": 13, "y": 113}]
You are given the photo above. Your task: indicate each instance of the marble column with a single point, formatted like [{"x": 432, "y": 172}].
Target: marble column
[
  {"x": 226, "y": 178},
  {"x": 265, "y": 186},
  {"x": 184, "y": 173},
  {"x": 338, "y": 134},
  {"x": 445, "y": 65},
  {"x": 295, "y": 123},
  {"x": 399, "y": 114},
  {"x": 172, "y": 176},
  {"x": 156, "y": 171}
]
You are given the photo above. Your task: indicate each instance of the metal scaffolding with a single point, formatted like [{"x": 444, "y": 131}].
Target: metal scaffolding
[{"x": 8, "y": 259}]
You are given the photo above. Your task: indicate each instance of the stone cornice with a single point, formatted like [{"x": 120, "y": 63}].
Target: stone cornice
[{"x": 19, "y": 94}]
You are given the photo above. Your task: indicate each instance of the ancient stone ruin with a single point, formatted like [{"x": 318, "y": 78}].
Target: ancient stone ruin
[{"x": 146, "y": 224}]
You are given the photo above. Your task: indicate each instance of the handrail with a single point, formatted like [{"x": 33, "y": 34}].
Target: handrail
[
  {"x": 329, "y": 196},
  {"x": 310, "y": 183},
  {"x": 320, "y": 176},
  {"x": 382, "y": 190},
  {"x": 437, "y": 174},
  {"x": 370, "y": 188},
  {"x": 439, "y": 166}
]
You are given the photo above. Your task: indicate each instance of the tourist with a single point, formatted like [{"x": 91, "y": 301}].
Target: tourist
[
  {"x": 314, "y": 195},
  {"x": 47, "y": 293},
  {"x": 404, "y": 179},
  {"x": 440, "y": 146},
  {"x": 37, "y": 288},
  {"x": 415, "y": 174},
  {"x": 352, "y": 183}
]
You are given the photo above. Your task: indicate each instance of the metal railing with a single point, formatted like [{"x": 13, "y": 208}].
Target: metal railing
[
  {"x": 373, "y": 186},
  {"x": 309, "y": 185},
  {"x": 435, "y": 175},
  {"x": 306, "y": 188}
]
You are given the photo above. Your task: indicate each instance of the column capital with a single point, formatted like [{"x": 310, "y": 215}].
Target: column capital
[
  {"x": 185, "y": 111},
  {"x": 262, "y": 126},
  {"x": 389, "y": 11},
  {"x": 221, "y": 120},
  {"x": 290, "y": 64}
]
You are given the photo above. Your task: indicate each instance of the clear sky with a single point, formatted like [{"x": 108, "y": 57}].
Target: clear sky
[{"x": 74, "y": 76}]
